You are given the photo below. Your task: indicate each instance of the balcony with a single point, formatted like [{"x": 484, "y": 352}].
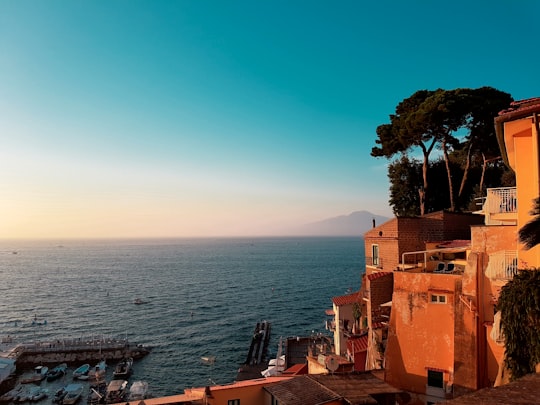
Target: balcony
[
  {"x": 502, "y": 265},
  {"x": 500, "y": 206}
]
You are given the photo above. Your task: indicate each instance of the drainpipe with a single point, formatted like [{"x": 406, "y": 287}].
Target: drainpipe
[
  {"x": 481, "y": 343},
  {"x": 537, "y": 127}
]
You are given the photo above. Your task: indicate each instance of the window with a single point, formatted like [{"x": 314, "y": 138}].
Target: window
[
  {"x": 233, "y": 402},
  {"x": 435, "y": 378},
  {"x": 375, "y": 254},
  {"x": 274, "y": 401},
  {"x": 438, "y": 299}
]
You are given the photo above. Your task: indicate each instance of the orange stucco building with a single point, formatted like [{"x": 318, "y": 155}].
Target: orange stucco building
[{"x": 442, "y": 339}]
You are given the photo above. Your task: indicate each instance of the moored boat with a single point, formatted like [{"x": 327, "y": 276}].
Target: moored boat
[
  {"x": 81, "y": 373},
  {"x": 98, "y": 371},
  {"x": 11, "y": 395},
  {"x": 73, "y": 393},
  {"x": 138, "y": 391},
  {"x": 59, "y": 395},
  {"x": 97, "y": 393},
  {"x": 116, "y": 391},
  {"x": 57, "y": 372},
  {"x": 123, "y": 368},
  {"x": 40, "y": 372},
  {"x": 37, "y": 394}
]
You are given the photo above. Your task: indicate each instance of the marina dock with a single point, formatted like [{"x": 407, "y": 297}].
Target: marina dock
[
  {"x": 256, "y": 360},
  {"x": 92, "y": 349}
]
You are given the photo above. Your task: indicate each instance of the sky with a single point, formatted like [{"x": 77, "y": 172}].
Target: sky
[{"x": 131, "y": 118}]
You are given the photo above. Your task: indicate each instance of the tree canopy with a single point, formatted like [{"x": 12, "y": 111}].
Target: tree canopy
[
  {"x": 458, "y": 124},
  {"x": 519, "y": 303},
  {"x": 529, "y": 234}
]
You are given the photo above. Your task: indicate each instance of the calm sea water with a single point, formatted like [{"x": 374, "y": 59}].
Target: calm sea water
[{"x": 204, "y": 296}]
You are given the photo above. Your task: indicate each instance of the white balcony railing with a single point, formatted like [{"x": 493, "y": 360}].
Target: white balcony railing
[
  {"x": 502, "y": 265},
  {"x": 500, "y": 206},
  {"x": 501, "y": 200}
]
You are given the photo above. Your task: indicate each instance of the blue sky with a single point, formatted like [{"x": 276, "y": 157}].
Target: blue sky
[{"x": 210, "y": 118}]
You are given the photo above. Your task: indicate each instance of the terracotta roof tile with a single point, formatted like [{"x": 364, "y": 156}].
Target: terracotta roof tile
[
  {"x": 379, "y": 274},
  {"x": 524, "y": 391},
  {"x": 346, "y": 299},
  {"x": 528, "y": 103},
  {"x": 356, "y": 345}
]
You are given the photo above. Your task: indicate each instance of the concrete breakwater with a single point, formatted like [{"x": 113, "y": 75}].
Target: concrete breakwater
[{"x": 72, "y": 351}]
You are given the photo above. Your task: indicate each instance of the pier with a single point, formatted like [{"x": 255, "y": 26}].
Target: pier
[
  {"x": 256, "y": 360},
  {"x": 71, "y": 351}
]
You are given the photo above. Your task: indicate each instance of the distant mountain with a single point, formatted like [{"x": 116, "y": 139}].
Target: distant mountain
[{"x": 354, "y": 224}]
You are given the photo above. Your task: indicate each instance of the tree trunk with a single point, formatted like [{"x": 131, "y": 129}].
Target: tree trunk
[
  {"x": 484, "y": 165},
  {"x": 422, "y": 192},
  {"x": 447, "y": 163},
  {"x": 466, "y": 171}
]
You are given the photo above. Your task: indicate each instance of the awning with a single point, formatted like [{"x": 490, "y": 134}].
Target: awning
[{"x": 329, "y": 312}]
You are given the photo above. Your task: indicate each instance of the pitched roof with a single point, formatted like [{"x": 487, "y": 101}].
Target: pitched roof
[
  {"x": 524, "y": 391},
  {"x": 356, "y": 388},
  {"x": 346, "y": 299},
  {"x": 379, "y": 274},
  {"x": 301, "y": 390},
  {"x": 356, "y": 345},
  {"x": 518, "y": 110}
]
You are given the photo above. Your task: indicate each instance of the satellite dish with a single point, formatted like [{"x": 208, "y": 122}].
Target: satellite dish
[{"x": 332, "y": 363}]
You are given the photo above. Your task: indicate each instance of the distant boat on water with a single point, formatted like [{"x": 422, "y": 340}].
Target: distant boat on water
[{"x": 208, "y": 359}]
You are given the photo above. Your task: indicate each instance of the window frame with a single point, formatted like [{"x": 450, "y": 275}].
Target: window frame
[
  {"x": 438, "y": 299},
  {"x": 435, "y": 377},
  {"x": 375, "y": 254}
]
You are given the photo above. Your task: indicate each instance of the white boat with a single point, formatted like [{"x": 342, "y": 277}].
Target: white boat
[
  {"x": 40, "y": 372},
  {"x": 208, "y": 359},
  {"x": 138, "y": 391},
  {"x": 73, "y": 393},
  {"x": 123, "y": 368},
  {"x": 116, "y": 391}
]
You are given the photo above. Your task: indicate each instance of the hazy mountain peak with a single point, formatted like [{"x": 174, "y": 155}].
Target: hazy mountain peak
[{"x": 353, "y": 224}]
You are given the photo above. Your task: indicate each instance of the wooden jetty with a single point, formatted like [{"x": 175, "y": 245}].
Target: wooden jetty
[{"x": 256, "y": 360}]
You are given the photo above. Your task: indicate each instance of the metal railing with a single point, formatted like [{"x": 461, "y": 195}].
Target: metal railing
[
  {"x": 502, "y": 265},
  {"x": 501, "y": 200}
]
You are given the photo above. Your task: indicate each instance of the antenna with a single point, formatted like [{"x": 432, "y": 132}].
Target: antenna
[{"x": 332, "y": 363}]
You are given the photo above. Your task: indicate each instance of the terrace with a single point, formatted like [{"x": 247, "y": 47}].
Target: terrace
[{"x": 440, "y": 260}]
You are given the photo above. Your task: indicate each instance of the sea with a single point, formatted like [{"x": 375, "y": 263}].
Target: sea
[{"x": 203, "y": 297}]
